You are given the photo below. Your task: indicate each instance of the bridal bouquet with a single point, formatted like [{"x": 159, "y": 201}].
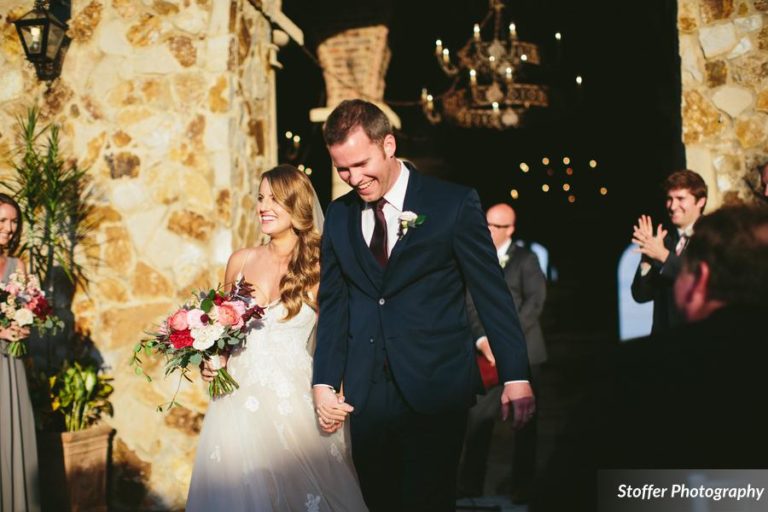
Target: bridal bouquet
[
  {"x": 210, "y": 324},
  {"x": 23, "y": 304}
]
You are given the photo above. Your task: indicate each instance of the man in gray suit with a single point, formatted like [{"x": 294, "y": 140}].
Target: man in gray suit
[{"x": 527, "y": 283}]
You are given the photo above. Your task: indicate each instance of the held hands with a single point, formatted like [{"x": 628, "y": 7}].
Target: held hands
[
  {"x": 650, "y": 245},
  {"x": 330, "y": 408},
  {"x": 209, "y": 368},
  {"x": 520, "y": 395},
  {"x": 14, "y": 333}
]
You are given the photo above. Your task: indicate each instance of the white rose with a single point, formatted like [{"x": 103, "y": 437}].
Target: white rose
[
  {"x": 23, "y": 317},
  {"x": 408, "y": 217},
  {"x": 206, "y": 336}
]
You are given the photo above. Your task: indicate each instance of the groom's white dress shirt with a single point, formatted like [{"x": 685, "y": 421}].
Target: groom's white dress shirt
[{"x": 392, "y": 209}]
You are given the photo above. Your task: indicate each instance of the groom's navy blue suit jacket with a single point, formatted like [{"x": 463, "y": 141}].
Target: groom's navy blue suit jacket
[{"x": 415, "y": 305}]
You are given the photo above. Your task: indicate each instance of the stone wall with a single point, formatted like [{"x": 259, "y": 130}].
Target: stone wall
[
  {"x": 170, "y": 105},
  {"x": 724, "y": 53}
]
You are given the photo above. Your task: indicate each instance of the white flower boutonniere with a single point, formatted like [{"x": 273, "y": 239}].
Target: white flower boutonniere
[
  {"x": 409, "y": 220},
  {"x": 504, "y": 260}
]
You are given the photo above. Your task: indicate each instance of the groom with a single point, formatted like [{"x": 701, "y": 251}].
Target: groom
[{"x": 393, "y": 324}]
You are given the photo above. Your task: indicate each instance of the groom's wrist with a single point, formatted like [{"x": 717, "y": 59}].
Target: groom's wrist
[{"x": 516, "y": 381}]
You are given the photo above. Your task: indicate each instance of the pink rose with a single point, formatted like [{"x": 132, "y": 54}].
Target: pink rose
[
  {"x": 230, "y": 313},
  {"x": 178, "y": 320},
  {"x": 195, "y": 318},
  {"x": 13, "y": 288}
]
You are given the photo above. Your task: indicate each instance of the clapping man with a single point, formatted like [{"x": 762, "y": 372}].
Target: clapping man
[{"x": 662, "y": 246}]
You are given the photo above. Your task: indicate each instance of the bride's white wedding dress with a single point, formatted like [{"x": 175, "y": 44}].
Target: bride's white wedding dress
[{"x": 260, "y": 448}]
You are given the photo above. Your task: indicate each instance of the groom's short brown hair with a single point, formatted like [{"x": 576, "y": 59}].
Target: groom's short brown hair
[{"x": 350, "y": 114}]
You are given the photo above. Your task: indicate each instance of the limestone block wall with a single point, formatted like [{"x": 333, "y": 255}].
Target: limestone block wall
[
  {"x": 170, "y": 105},
  {"x": 724, "y": 54}
]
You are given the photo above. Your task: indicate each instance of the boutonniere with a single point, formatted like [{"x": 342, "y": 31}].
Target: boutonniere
[
  {"x": 409, "y": 220},
  {"x": 504, "y": 260}
]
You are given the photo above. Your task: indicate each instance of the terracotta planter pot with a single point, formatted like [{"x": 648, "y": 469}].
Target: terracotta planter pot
[{"x": 73, "y": 469}]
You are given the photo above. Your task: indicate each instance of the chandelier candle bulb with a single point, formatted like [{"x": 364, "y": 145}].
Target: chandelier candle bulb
[
  {"x": 509, "y": 74},
  {"x": 446, "y": 56},
  {"x": 473, "y": 77},
  {"x": 558, "y": 36},
  {"x": 476, "y": 32},
  {"x": 495, "y": 106},
  {"x": 438, "y": 47},
  {"x": 512, "y": 31},
  {"x": 430, "y": 102}
]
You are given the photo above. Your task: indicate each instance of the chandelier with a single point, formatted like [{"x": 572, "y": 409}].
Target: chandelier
[{"x": 486, "y": 92}]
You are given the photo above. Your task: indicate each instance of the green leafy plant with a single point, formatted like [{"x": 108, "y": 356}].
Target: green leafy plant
[
  {"x": 55, "y": 203},
  {"x": 80, "y": 392}
]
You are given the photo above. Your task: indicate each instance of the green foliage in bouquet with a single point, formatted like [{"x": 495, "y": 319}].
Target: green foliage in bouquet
[{"x": 80, "y": 393}]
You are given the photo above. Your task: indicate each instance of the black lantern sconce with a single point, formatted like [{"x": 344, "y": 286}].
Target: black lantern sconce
[{"x": 43, "y": 34}]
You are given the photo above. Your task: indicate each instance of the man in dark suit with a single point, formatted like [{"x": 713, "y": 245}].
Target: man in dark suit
[
  {"x": 661, "y": 249},
  {"x": 398, "y": 254},
  {"x": 689, "y": 397},
  {"x": 528, "y": 286}
]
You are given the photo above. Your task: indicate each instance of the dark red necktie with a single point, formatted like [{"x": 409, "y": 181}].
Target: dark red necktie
[{"x": 379, "y": 239}]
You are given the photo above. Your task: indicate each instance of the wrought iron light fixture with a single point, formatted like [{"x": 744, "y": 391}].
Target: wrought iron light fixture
[
  {"x": 486, "y": 92},
  {"x": 43, "y": 34}
]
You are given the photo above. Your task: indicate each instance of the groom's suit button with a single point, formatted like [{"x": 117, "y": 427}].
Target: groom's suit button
[
  {"x": 382, "y": 301},
  {"x": 370, "y": 340}
]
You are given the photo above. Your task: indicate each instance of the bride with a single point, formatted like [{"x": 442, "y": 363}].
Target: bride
[{"x": 260, "y": 448}]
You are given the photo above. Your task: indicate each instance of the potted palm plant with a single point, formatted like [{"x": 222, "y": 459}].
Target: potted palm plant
[{"x": 57, "y": 212}]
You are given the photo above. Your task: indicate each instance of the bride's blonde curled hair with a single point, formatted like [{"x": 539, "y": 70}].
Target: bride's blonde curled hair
[{"x": 293, "y": 191}]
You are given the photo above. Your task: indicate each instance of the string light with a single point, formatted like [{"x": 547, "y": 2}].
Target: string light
[
  {"x": 571, "y": 198},
  {"x": 566, "y": 161},
  {"x": 514, "y": 193},
  {"x": 603, "y": 191},
  {"x": 545, "y": 161},
  {"x": 566, "y": 187},
  {"x": 593, "y": 163},
  {"x": 288, "y": 135},
  {"x": 524, "y": 167},
  {"x": 569, "y": 171},
  {"x": 308, "y": 171},
  {"x": 579, "y": 80},
  {"x": 545, "y": 188},
  {"x": 558, "y": 36}
]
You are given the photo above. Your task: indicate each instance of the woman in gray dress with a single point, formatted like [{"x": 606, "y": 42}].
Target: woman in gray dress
[{"x": 18, "y": 449}]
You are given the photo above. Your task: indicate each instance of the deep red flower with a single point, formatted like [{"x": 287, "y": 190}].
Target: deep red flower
[
  {"x": 218, "y": 299},
  {"x": 181, "y": 339},
  {"x": 42, "y": 308}
]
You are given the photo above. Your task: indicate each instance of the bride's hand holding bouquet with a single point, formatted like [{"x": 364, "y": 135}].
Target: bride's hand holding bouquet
[{"x": 204, "y": 329}]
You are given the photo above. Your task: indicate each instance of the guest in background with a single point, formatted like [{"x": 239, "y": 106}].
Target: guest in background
[
  {"x": 528, "y": 286},
  {"x": 688, "y": 397},
  {"x": 18, "y": 449},
  {"x": 661, "y": 249}
]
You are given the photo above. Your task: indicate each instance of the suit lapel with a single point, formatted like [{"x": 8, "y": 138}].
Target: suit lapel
[
  {"x": 411, "y": 203},
  {"x": 363, "y": 253}
]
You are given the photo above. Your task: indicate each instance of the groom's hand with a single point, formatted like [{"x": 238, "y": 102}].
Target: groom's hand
[
  {"x": 520, "y": 395},
  {"x": 330, "y": 408}
]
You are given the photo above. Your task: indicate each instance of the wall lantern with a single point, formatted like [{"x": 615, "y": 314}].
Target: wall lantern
[{"x": 43, "y": 34}]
